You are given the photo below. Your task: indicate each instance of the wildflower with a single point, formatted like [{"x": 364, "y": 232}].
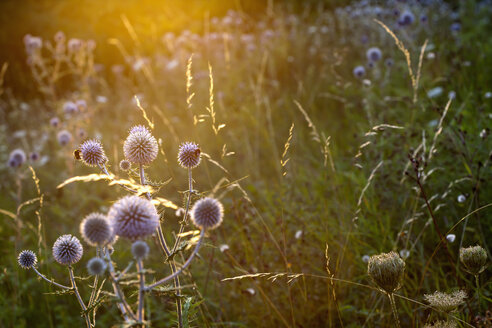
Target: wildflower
[
  {"x": 451, "y": 237},
  {"x": 461, "y": 198},
  {"x": 70, "y": 108},
  {"x": 67, "y": 250},
  {"x": 455, "y": 27},
  {"x": 54, "y": 122},
  {"x": 17, "y": 157},
  {"x": 125, "y": 165},
  {"x": 483, "y": 134},
  {"x": 27, "y": 259},
  {"x": 298, "y": 234},
  {"x": 386, "y": 270},
  {"x": 406, "y": 18},
  {"x": 442, "y": 324},
  {"x": 451, "y": 95},
  {"x": 433, "y": 93},
  {"x": 446, "y": 302},
  {"x": 140, "y": 146},
  {"x": 374, "y": 54},
  {"x": 33, "y": 156},
  {"x": 359, "y": 71},
  {"x": 488, "y": 95},
  {"x": 365, "y": 258},
  {"x": 64, "y": 137},
  {"x": 474, "y": 259},
  {"x": 81, "y": 104},
  {"x": 224, "y": 247},
  {"x": 189, "y": 155},
  {"x": 389, "y": 62},
  {"x": 133, "y": 217},
  {"x": 96, "y": 266},
  {"x": 140, "y": 249},
  {"x": 95, "y": 229},
  {"x": 404, "y": 254},
  {"x": 207, "y": 213},
  {"x": 92, "y": 153}
]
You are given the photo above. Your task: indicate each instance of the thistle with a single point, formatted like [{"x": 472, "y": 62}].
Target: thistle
[
  {"x": 96, "y": 266},
  {"x": 95, "y": 229},
  {"x": 17, "y": 157},
  {"x": 207, "y": 213},
  {"x": 27, "y": 259},
  {"x": 133, "y": 217},
  {"x": 140, "y": 146},
  {"x": 67, "y": 250},
  {"x": 64, "y": 137},
  {"x": 374, "y": 54},
  {"x": 140, "y": 250},
  {"x": 92, "y": 153},
  {"x": 189, "y": 155},
  {"x": 125, "y": 165}
]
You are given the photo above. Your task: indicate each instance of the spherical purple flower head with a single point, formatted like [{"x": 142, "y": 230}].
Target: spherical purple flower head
[
  {"x": 54, "y": 122},
  {"x": 406, "y": 18},
  {"x": 67, "y": 250},
  {"x": 74, "y": 45},
  {"x": 34, "y": 156},
  {"x": 140, "y": 146},
  {"x": 96, "y": 266},
  {"x": 17, "y": 157},
  {"x": 70, "y": 108},
  {"x": 359, "y": 71},
  {"x": 189, "y": 155},
  {"x": 125, "y": 165},
  {"x": 64, "y": 137},
  {"x": 27, "y": 259},
  {"x": 207, "y": 213},
  {"x": 374, "y": 54},
  {"x": 96, "y": 230},
  {"x": 81, "y": 104},
  {"x": 455, "y": 27},
  {"x": 133, "y": 217},
  {"x": 92, "y": 153},
  {"x": 389, "y": 62},
  {"x": 140, "y": 249}
]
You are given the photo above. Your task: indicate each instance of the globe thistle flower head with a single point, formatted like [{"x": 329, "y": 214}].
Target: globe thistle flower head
[
  {"x": 140, "y": 146},
  {"x": 474, "y": 258},
  {"x": 64, "y": 137},
  {"x": 81, "y": 104},
  {"x": 446, "y": 302},
  {"x": 359, "y": 71},
  {"x": 374, "y": 54},
  {"x": 207, "y": 213},
  {"x": 140, "y": 250},
  {"x": 96, "y": 266},
  {"x": 125, "y": 165},
  {"x": 95, "y": 229},
  {"x": 33, "y": 156},
  {"x": 17, "y": 157},
  {"x": 389, "y": 62},
  {"x": 67, "y": 250},
  {"x": 55, "y": 122},
  {"x": 27, "y": 259},
  {"x": 70, "y": 108},
  {"x": 189, "y": 155},
  {"x": 386, "y": 270},
  {"x": 133, "y": 217},
  {"x": 406, "y": 18},
  {"x": 92, "y": 153}
]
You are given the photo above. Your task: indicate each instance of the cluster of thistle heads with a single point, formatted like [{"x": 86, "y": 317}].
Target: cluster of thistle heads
[
  {"x": 387, "y": 272},
  {"x": 131, "y": 217}
]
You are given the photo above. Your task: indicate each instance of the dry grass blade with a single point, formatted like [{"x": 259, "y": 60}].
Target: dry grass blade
[
  {"x": 371, "y": 177},
  {"x": 189, "y": 82},
  {"x": 439, "y": 130},
  {"x": 149, "y": 122},
  {"x": 164, "y": 202},
  {"x": 85, "y": 178},
  {"x": 284, "y": 160}
]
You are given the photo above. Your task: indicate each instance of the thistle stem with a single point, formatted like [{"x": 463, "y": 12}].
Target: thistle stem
[
  {"x": 141, "y": 292},
  {"x": 185, "y": 218},
  {"x": 185, "y": 265},
  {"x": 165, "y": 248},
  {"x": 50, "y": 281},
  {"x": 478, "y": 291},
  {"x": 393, "y": 308},
  {"x": 77, "y": 294}
]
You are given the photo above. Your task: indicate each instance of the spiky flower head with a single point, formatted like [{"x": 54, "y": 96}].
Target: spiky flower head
[
  {"x": 96, "y": 266},
  {"x": 386, "y": 270},
  {"x": 442, "y": 324},
  {"x": 54, "y": 122},
  {"x": 125, "y": 165},
  {"x": 92, "y": 153},
  {"x": 17, "y": 157},
  {"x": 133, "y": 217},
  {"x": 67, "y": 250},
  {"x": 446, "y": 302},
  {"x": 374, "y": 54},
  {"x": 140, "y": 146},
  {"x": 406, "y": 18},
  {"x": 140, "y": 249},
  {"x": 189, "y": 155},
  {"x": 207, "y": 213},
  {"x": 474, "y": 259},
  {"x": 27, "y": 259},
  {"x": 64, "y": 137},
  {"x": 96, "y": 230},
  {"x": 34, "y": 156},
  {"x": 70, "y": 108},
  {"x": 359, "y": 71}
]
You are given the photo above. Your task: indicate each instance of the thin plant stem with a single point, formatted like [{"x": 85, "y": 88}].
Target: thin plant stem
[
  {"x": 77, "y": 294},
  {"x": 141, "y": 297},
  {"x": 105, "y": 170},
  {"x": 478, "y": 291},
  {"x": 125, "y": 309},
  {"x": 50, "y": 281},
  {"x": 185, "y": 217},
  {"x": 185, "y": 265},
  {"x": 393, "y": 308},
  {"x": 94, "y": 285},
  {"x": 165, "y": 249}
]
